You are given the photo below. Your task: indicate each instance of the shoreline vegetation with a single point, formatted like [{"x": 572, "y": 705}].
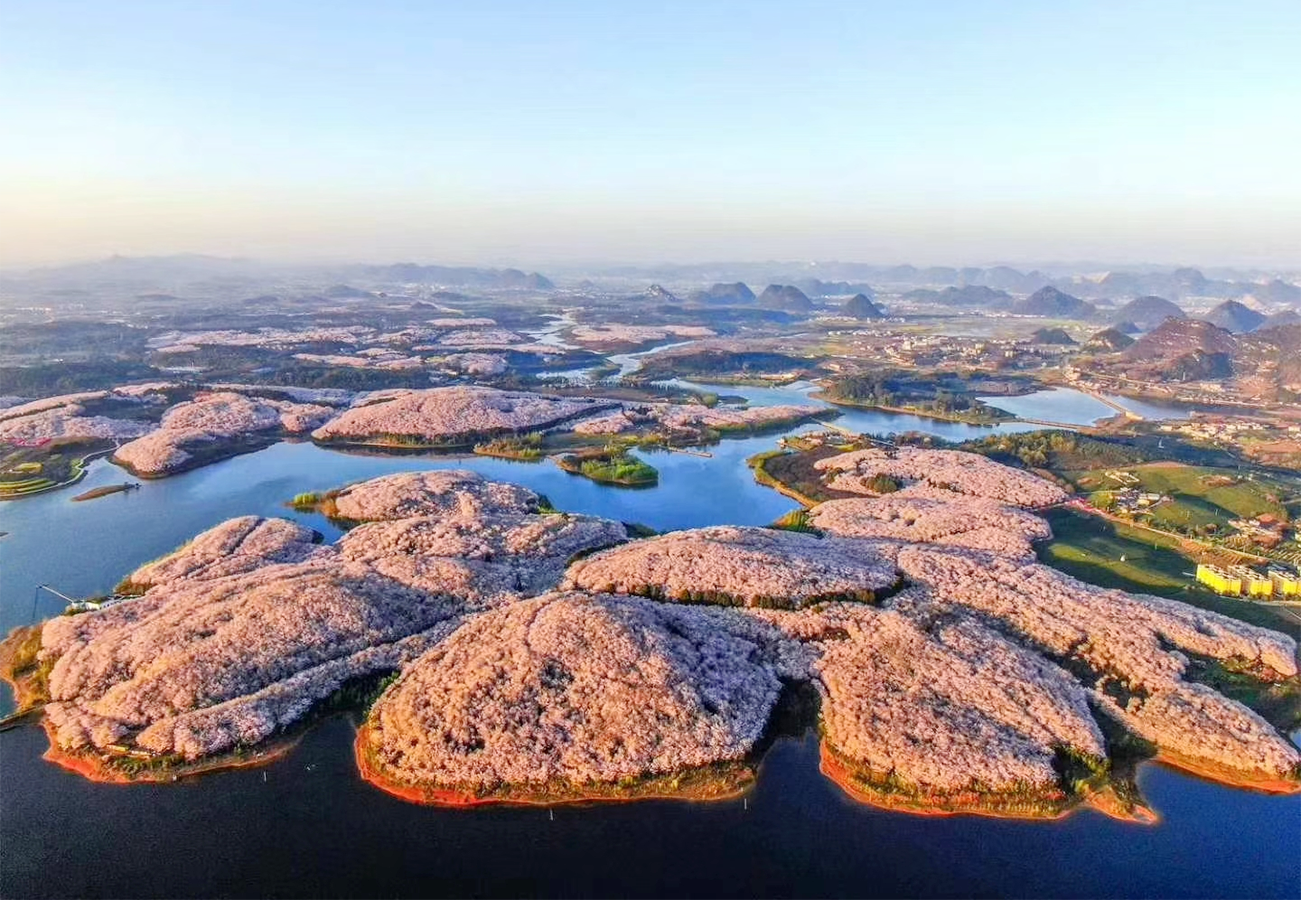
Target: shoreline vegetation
[
  {"x": 22, "y": 671},
  {"x": 792, "y": 473},
  {"x": 77, "y": 469},
  {"x": 721, "y": 781},
  {"x": 525, "y": 448},
  {"x": 1047, "y": 803},
  {"x": 132, "y": 768}
]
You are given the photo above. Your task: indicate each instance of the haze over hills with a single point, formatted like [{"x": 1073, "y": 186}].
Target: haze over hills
[
  {"x": 1234, "y": 316},
  {"x": 725, "y": 294},
  {"x": 996, "y": 288},
  {"x": 969, "y": 295},
  {"x": 860, "y": 306},
  {"x": 814, "y": 287},
  {"x": 1051, "y": 303},
  {"x": 1147, "y": 312},
  {"x": 464, "y": 276},
  {"x": 784, "y": 297}
]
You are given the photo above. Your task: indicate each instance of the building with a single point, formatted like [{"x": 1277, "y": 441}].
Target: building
[
  {"x": 1254, "y": 584},
  {"x": 1277, "y": 582},
  {"x": 1219, "y": 580},
  {"x": 1287, "y": 583}
]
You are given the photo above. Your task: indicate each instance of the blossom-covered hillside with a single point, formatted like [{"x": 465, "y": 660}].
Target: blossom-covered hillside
[
  {"x": 926, "y": 472},
  {"x": 735, "y": 565},
  {"x": 199, "y": 665},
  {"x": 238, "y": 633},
  {"x": 454, "y": 415},
  {"x": 236, "y": 545},
  {"x": 66, "y": 418},
  {"x": 954, "y": 671},
  {"x": 210, "y": 425},
  {"x": 967, "y": 522},
  {"x": 566, "y": 690},
  {"x": 694, "y": 416}
]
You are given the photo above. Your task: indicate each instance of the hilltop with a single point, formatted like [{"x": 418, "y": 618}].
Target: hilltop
[
  {"x": 860, "y": 306},
  {"x": 1147, "y": 312},
  {"x": 1056, "y": 336},
  {"x": 1050, "y": 303},
  {"x": 725, "y": 294},
  {"x": 784, "y": 297},
  {"x": 1108, "y": 340},
  {"x": 1234, "y": 316}
]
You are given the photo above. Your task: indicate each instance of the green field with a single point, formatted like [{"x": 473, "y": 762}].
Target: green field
[
  {"x": 1200, "y": 496},
  {"x": 1091, "y": 548}
]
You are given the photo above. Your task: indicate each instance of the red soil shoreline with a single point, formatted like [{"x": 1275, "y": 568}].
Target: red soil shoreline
[{"x": 95, "y": 769}]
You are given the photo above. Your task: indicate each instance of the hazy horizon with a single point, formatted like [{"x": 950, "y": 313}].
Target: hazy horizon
[{"x": 509, "y": 134}]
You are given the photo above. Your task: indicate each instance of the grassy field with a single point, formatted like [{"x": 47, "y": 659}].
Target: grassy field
[
  {"x": 1091, "y": 548},
  {"x": 1200, "y": 496}
]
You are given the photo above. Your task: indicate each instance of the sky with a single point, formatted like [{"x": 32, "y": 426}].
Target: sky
[{"x": 527, "y": 132}]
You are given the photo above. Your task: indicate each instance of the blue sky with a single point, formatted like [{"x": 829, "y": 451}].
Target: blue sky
[{"x": 495, "y": 131}]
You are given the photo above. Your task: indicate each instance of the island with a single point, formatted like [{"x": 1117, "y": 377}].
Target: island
[{"x": 500, "y": 650}]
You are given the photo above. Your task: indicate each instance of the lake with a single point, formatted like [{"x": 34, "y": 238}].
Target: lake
[
  {"x": 1072, "y": 407},
  {"x": 308, "y": 826}
]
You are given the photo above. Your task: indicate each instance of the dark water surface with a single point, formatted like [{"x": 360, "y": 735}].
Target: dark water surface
[
  {"x": 312, "y": 828},
  {"x": 308, "y": 826}
]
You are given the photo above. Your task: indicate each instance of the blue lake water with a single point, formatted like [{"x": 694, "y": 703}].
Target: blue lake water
[
  {"x": 308, "y": 826},
  {"x": 1072, "y": 407}
]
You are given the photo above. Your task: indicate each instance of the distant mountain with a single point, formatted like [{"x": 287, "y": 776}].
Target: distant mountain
[
  {"x": 1283, "y": 340},
  {"x": 345, "y": 292},
  {"x": 725, "y": 295},
  {"x": 1276, "y": 292},
  {"x": 972, "y": 295},
  {"x": 1005, "y": 278},
  {"x": 784, "y": 297},
  {"x": 660, "y": 294},
  {"x": 1184, "y": 350},
  {"x": 860, "y": 306},
  {"x": 1108, "y": 341},
  {"x": 1147, "y": 312},
  {"x": 1286, "y": 317},
  {"x": 1050, "y": 303},
  {"x": 1128, "y": 327},
  {"x": 504, "y": 279},
  {"x": 1179, "y": 283},
  {"x": 1264, "y": 363},
  {"x": 813, "y": 287},
  {"x": 1233, "y": 316},
  {"x": 1056, "y": 336},
  {"x": 1175, "y": 336}
]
